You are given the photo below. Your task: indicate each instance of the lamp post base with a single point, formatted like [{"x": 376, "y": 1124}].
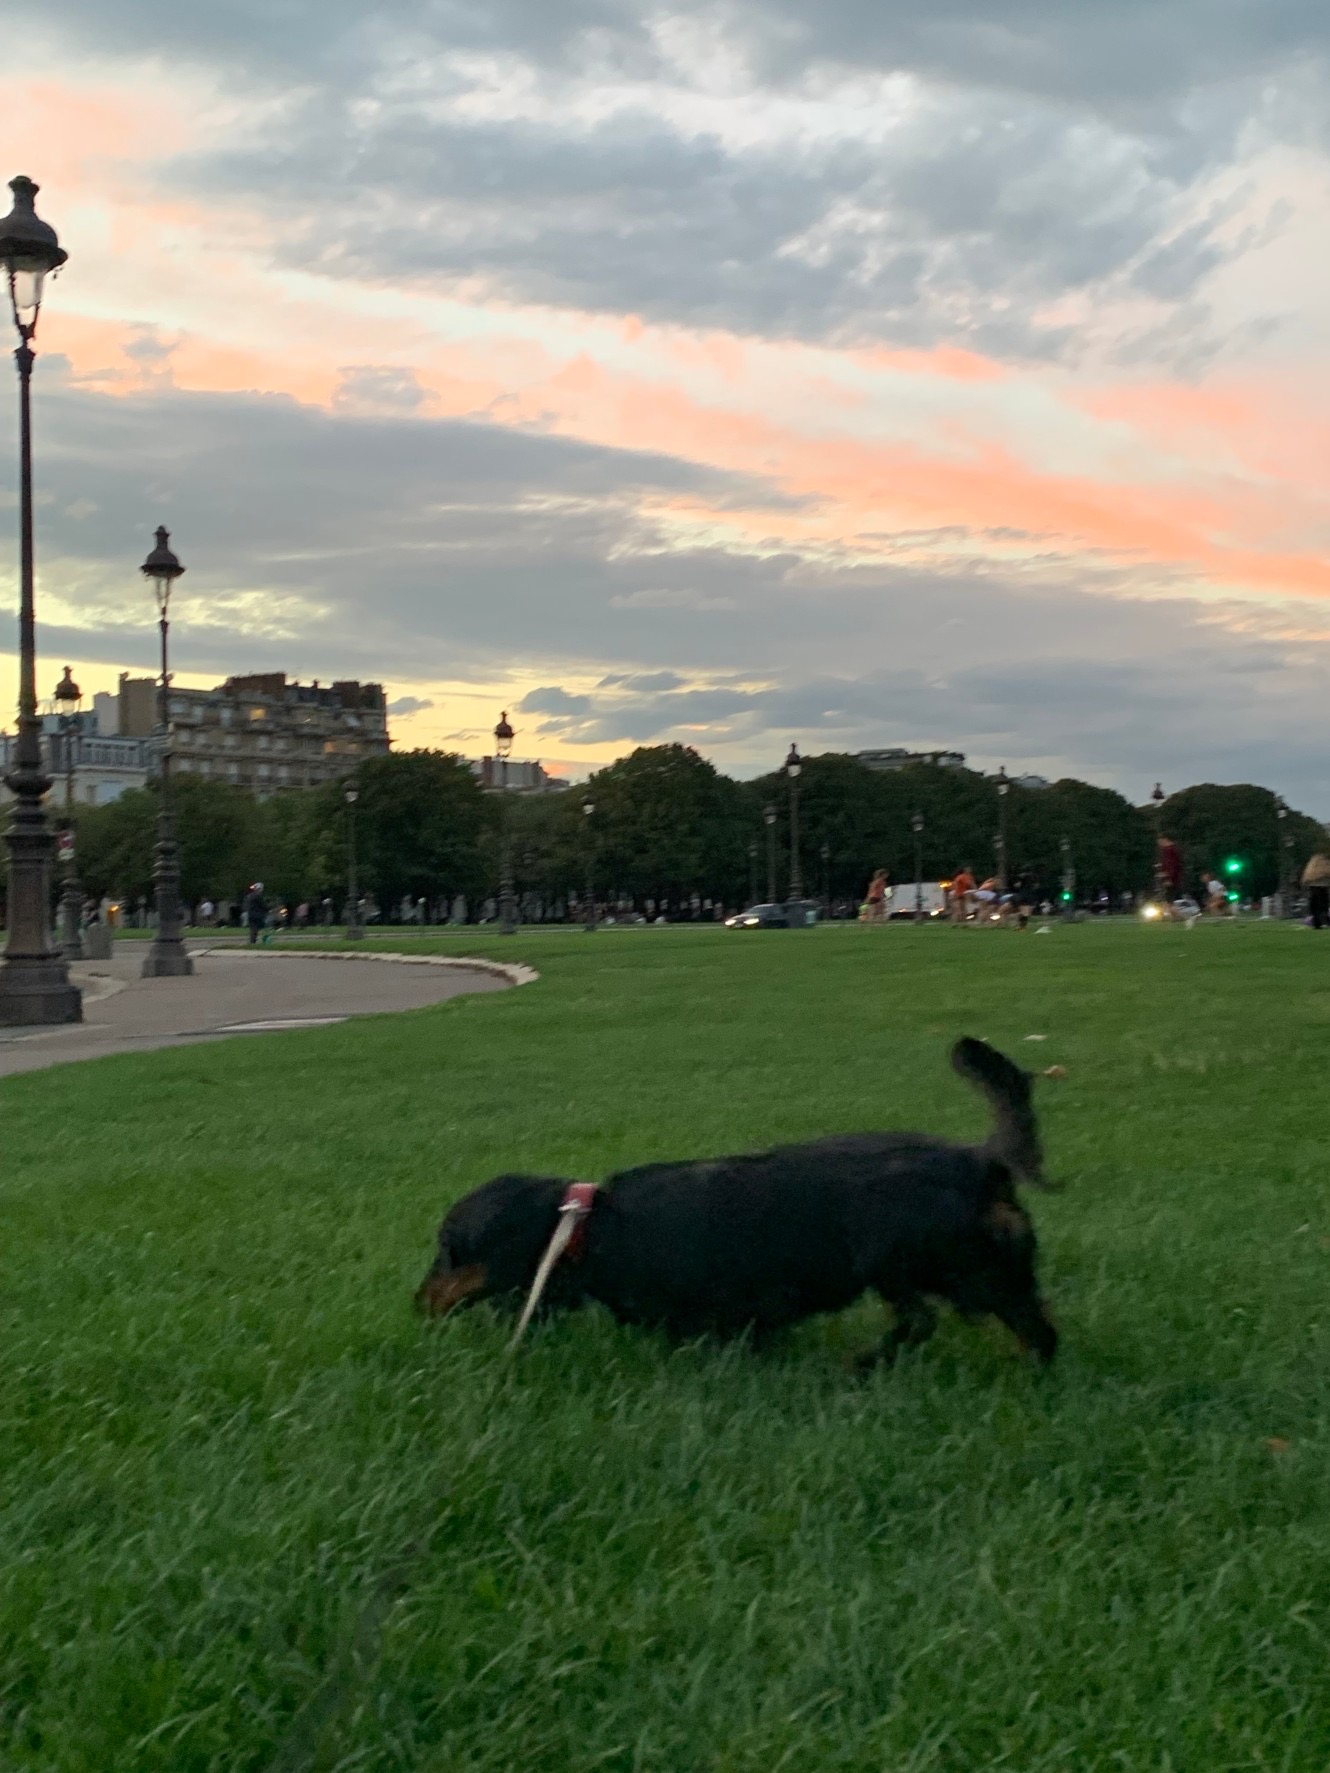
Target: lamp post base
[
  {"x": 35, "y": 991},
  {"x": 168, "y": 958}
]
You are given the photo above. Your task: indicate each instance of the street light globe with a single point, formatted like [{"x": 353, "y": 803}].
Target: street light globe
[
  {"x": 769, "y": 814},
  {"x": 29, "y": 252},
  {"x": 351, "y": 793},
  {"x": 917, "y": 823},
  {"x": 793, "y": 763},
  {"x": 163, "y": 568},
  {"x": 68, "y": 695},
  {"x": 588, "y": 805},
  {"x": 1002, "y": 783},
  {"x": 503, "y": 736}
]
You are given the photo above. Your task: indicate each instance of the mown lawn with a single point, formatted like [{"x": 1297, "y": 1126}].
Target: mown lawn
[{"x": 254, "y": 1515}]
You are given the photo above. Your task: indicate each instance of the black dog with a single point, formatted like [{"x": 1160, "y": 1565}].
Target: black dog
[{"x": 759, "y": 1242}]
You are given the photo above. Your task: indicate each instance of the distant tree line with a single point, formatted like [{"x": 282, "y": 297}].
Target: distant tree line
[{"x": 667, "y": 828}]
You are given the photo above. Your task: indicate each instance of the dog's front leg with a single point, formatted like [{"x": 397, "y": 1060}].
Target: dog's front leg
[{"x": 915, "y": 1322}]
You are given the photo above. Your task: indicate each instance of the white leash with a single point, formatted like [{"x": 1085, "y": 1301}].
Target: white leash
[{"x": 571, "y": 1215}]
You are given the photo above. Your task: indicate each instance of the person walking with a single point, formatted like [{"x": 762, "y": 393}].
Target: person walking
[
  {"x": 256, "y": 912},
  {"x": 1316, "y": 879},
  {"x": 962, "y": 893},
  {"x": 875, "y": 899}
]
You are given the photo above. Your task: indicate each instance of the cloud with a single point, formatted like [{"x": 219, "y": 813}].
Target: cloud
[
  {"x": 305, "y": 533},
  {"x": 405, "y": 705}
]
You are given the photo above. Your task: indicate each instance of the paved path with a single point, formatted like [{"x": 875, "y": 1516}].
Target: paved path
[{"x": 233, "y": 991}]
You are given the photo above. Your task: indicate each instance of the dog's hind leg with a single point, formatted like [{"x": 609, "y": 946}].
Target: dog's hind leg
[
  {"x": 1033, "y": 1327},
  {"x": 915, "y": 1322}
]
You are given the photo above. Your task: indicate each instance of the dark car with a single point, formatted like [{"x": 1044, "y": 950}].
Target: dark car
[{"x": 797, "y": 914}]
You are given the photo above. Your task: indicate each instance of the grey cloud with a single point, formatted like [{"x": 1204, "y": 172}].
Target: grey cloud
[
  {"x": 380, "y": 546},
  {"x": 405, "y": 705},
  {"x": 959, "y": 224},
  {"x": 1134, "y": 55},
  {"x": 1056, "y": 152},
  {"x": 374, "y": 388},
  {"x": 554, "y": 701}
]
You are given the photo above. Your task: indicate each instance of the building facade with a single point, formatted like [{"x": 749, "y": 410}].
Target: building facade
[
  {"x": 86, "y": 769},
  {"x": 264, "y": 733},
  {"x": 896, "y": 757},
  {"x": 520, "y": 778}
]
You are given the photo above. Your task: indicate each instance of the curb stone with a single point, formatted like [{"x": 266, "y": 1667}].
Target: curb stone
[{"x": 514, "y": 974}]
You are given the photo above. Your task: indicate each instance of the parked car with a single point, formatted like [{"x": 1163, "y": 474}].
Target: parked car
[{"x": 797, "y": 914}]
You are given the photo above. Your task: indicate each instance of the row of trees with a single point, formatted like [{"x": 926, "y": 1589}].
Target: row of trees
[{"x": 666, "y": 825}]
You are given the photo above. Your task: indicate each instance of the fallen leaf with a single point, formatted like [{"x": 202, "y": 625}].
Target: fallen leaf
[
  {"x": 1277, "y": 1445},
  {"x": 1036, "y": 1037},
  {"x": 1055, "y": 1071}
]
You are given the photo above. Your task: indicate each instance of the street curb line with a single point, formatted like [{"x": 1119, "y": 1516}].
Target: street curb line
[{"x": 501, "y": 969}]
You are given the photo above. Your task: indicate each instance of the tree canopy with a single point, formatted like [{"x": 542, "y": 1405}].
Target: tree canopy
[{"x": 667, "y": 825}]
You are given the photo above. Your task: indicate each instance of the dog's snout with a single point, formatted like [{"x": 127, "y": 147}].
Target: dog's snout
[{"x": 443, "y": 1290}]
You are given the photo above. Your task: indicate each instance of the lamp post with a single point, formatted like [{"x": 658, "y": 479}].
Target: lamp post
[
  {"x": 34, "y": 980},
  {"x": 355, "y": 929},
  {"x": 825, "y": 853},
  {"x": 794, "y": 769},
  {"x": 1285, "y": 857},
  {"x": 917, "y": 826},
  {"x": 588, "y": 809},
  {"x": 68, "y": 700},
  {"x": 1003, "y": 789},
  {"x": 1157, "y": 799},
  {"x": 752, "y": 871},
  {"x": 1068, "y": 880},
  {"x": 769, "y": 820},
  {"x": 503, "y": 745},
  {"x": 167, "y": 958}
]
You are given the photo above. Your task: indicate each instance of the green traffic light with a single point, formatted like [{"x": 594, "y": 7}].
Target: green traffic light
[
  {"x": 1233, "y": 865},
  {"x": 1066, "y": 898}
]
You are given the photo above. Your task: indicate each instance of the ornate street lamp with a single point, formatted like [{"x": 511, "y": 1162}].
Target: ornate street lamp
[
  {"x": 1157, "y": 799},
  {"x": 167, "y": 958},
  {"x": 769, "y": 820},
  {"x": 794, "y": 769},
  {"x": 34, "y": 980},
  {"x": 503, "y": 746},
  {"x": 825, "y": 853},
  {"x": 68, "y": 702},
  {"x": 752, "y": 871},
  {"x": 917, "y": 826},
  {"x": 355, "y": 928},
  {"x": 1285, "y": 858},
  {"x": 1003, "y": 789},
  {"x": 588, "y": 808},
  {"x": 1068, "y": 880}
]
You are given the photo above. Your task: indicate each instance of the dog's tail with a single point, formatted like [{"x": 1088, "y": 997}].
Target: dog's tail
[{"x": 1014, "y": 1140}]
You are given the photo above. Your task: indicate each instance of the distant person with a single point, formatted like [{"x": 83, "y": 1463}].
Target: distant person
[
  {"x": 1216, "y": 897},
  {"x": 1168, "y": 872},
  {"x": 1316, "y": 879},
  {"x": 1024, "y": 897},
  {"x": 256, "y": 912},
  {"x": 962, "y": 894},
  {"x": 875, "y": 899}
]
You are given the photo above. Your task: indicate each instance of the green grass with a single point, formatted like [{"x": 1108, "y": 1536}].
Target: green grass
[{"x": 254, "y": 1515}]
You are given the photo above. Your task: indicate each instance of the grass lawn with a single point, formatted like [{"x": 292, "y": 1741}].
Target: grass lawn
[{"x": 253, "y": 1515}]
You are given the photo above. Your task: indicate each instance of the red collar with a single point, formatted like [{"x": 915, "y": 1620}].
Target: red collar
[{"x": 578, "y": 1199}]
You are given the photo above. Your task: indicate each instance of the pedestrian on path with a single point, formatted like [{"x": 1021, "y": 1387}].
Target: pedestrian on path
[{"x": 256, "y": 912}]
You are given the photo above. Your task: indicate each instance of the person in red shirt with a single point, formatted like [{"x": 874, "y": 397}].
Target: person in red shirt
[{"x": 962, "y": 891}]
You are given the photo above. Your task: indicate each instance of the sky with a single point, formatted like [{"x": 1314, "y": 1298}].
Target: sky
[{"x": 859, "y": 374}]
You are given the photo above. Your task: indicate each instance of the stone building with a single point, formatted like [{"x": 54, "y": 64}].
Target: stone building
[{"x": 264, "y": 733}]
